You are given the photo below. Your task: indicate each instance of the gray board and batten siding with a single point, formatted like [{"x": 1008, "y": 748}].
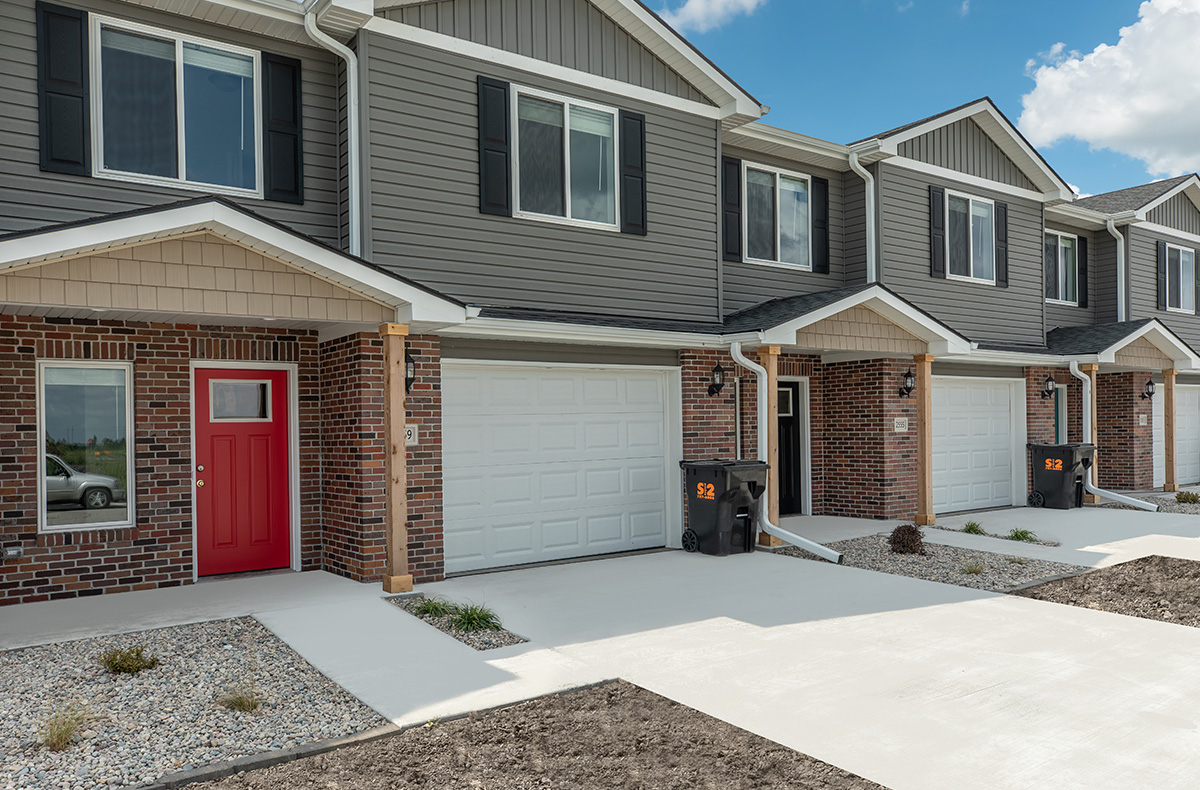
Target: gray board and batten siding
[
  {"x": 1179, "y": 212},
  {"x": 747, "y": 284},
  {"x": 1058, "y": 315},
  {"x": 31, "y": 198},
  {"x": 963, "y": 146},
  {"x": 424, "y": 212},
  {"x": 570, "y": 33},
  {"x": 1143, "y": 283},
  {"x": 979, "y": 311}
]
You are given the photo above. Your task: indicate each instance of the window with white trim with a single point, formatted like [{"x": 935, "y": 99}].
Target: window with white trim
[
  {"x": 777, "y": 216},
  {"x": 175, "y": 109},
  {"x": 85, "y": 456},
  {"x": 566, "y": 159},
  {"x": 1061, "y": 260},
  {"x": 970, "y": 238},
  {"x": 1181, "y": 279}
]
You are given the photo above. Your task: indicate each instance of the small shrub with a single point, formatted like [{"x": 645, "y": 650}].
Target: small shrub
[
  {"x": 129, "y": 660},
  {"x": 974, "y": 568},
  {"x": 907, "y": 539},
  {"x": 61, "y": 726},
  {"x": 434, "y": 607},
  {"x": 973, "y": 528},
  {"x": 1017, "y": 560},
  {"x": 1024, "y": 535},
  {"x": 242, "y": 696},
  {"x": 473, "y": 617},
  {"x": 1187, "y": 498}
]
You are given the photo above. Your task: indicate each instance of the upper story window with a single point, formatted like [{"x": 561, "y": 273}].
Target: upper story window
[
  {"x": 175, "y": 109},
  {"x": 777, "y": 216},
  {"x": 566, "y": 154},
  {"x": 1181, "y": 279},
  {"x": 970, "y": 237},
  {"x": 1061, "y": 260}
]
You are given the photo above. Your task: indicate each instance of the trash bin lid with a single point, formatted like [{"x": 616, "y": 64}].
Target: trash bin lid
[{"x": 723, "y": 464}]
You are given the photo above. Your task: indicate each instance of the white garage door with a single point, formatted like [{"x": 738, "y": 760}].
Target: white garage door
[
  {"x": 972, "y": 444},
  {"x": 1187, "y": 436},
  {"x": 546, "y": 463}
]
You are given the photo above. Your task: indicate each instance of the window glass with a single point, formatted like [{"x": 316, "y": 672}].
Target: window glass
[
  {"x": 983, "y": 244},
  {"x": 1173, "y": 274},
  {"x": 240, "y": 400},
  {"x": 218, "y": 114},
  {"x": 1050, "y": 261},
  {"x": 592, "y": 168},
  {"x": 540, "y": 149},
  {"x": 958, "y": 237},
  {"x": 1187, "y": 280},
  {"x": 793, "y": 220},
  {"x": 138, "y": 91},
  {"x": 760, "y": 215},
  {"x": 785, "y": 402},
  {"x": 1068, "y": 270},
  {"x": 86, "y": 445}
]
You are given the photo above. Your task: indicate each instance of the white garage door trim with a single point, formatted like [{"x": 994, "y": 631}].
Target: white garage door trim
[
  {"x": 1017, "y": 433},
  {"x": 671, "y": 377},
  {"x": 1187, "y": 436}
]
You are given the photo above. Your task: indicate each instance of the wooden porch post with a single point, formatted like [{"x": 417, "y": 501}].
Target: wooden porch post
[
  {"x": 768, "y": 357},
  {"x": 396, "y": 576},
  {"x": 924, "y": 392},
  {"x": 1171, "y": 483},
  {"x": 1090, "y": 371}
]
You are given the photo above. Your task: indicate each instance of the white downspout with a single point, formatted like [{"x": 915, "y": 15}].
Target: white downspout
[
  {"x": 1087, "y": 433},
  {"x": 764, "y": 519},
  {"x": 354, "y": 176},
  {"x": 869, "y": 193},
  {"x": 1116, "y": 234}
]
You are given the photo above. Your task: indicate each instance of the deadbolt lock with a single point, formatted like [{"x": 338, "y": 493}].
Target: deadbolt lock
[{"x": 200, "y": 484}]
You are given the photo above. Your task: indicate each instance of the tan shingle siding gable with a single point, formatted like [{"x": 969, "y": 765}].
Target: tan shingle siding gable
[{"x": 859, "y": 329}]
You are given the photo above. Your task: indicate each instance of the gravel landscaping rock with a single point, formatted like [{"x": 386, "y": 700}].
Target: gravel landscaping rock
[
  {"x": 986, "y": 534},
  {"x": 1000, "y": 572},
  {"x": 164, "y": 719},
  {"x": 1166, "y": 504},
  {"x": 608, "y": 737},
  {"x": 1154, "y": 588},
  {"x": 480, "y": 640}
]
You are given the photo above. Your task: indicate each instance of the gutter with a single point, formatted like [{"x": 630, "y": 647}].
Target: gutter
[
  {"x": 353, "y": 143},
  {"x": 764, "y": 518},
  {"x": 1120, "y": 237},
  {"x": 869, "y": 218}
]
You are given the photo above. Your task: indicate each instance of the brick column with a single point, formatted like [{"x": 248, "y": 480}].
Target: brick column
[
  {"x": 1171, "y": 483},
  {"x": 768, "y": 357},
  {"x": 924, "y": 394},
  {"x": 396, "y": 576}
]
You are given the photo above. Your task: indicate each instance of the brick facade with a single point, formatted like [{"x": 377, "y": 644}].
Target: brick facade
[
  {"x": 1125, "y": 452},
  {"x": 426, "y": 548}
]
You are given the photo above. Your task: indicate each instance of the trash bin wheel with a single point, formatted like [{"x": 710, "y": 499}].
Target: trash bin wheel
[
  {"x": 691, "y": 541},
  {"x": 1037, "y": 499}
]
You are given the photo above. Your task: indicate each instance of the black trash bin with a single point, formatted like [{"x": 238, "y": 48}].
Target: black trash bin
[
  {"x": 1058, "y": 471},
  {"x": 723, "y": 500}
]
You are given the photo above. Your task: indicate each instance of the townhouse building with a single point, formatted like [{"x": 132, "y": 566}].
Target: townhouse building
[{"x": 402, "y": 288}]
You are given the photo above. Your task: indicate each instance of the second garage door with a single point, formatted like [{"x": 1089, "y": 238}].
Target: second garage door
[
  {"x": 1187, "y": 436},
  {"x": 973, "y": 444},
  {"x": 547, "y": 463}
]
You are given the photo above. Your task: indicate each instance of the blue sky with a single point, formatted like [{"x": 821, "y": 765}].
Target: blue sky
[{"x": 846, "y": 69}]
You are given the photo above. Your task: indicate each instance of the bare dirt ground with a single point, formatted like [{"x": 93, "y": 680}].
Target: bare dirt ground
[
  {"x": 1156, "y": 588},
  {"x": 612, "y": 736}
]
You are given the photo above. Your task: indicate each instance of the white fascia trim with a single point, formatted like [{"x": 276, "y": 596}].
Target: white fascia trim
[
  {"x": 1182, "y": 357},
  {"x": 1191, "y": 186},
  {"x": 947, "y": 174},
  {"x": 416, "y": 304},
  {"x": 500, "y": 57},
  {"x": 991, "y": 357},
  {"x": 800, "y": 143},
  {"x": 1164, "y": 230}
]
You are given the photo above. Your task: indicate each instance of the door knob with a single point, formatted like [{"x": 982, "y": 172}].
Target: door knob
[{"x": 199, "y": 484}]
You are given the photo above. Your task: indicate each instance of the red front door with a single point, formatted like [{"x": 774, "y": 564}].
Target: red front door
[{"x": 242, "y": 498}]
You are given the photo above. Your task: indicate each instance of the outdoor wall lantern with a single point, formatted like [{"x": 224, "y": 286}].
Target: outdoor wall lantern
[
  {"x": 1149, "y": 393},
  {"x": 910, "y": 383},
  {"x": 410, "y": 371},
  {"x": 717, "y": 381},
  {"x": 1048, "y": 388}
]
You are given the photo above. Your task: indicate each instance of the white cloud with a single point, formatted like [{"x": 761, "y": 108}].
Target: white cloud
[
  {"x": 965, "y": 8},
  {"x": 701, "y": 16},
  {"x": 902, "y": 7},
  {"x": 1078, "y": 194},
  {"x": 1139, "y": 97}
]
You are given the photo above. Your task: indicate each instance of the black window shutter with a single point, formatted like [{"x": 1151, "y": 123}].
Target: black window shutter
[
  {"x": 495, "y": 157},
  {"x": 1162, "y": 275},
  {"x": 283, "y": 147},
  {"x": 1002, "y": 245},
  {"x": 633, "y": 173},
  {"x": 63, "y": 105},
  {"x": 937, "y": 232},
  {"x": 820, "y": 225},
  {"x": 731, "y": 208},
  {"x": 1081, "y": 255}
]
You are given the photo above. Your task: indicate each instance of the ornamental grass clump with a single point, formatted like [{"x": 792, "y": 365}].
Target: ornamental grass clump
[
  {"x": 1023, "y": 535},
  {"x": 973, "y": 528},
  {"x": 242, "y": 696},
  {"x": 128, "y": 660},
  {"x": 1187, "y": 498},
  {"x": 474, "y": 617},
  {"x": 433, "y": 607},
  {"x": 907, "y": 539},
  {"x": 61, "y": 726},
  {"x": 974, "y": 568}
]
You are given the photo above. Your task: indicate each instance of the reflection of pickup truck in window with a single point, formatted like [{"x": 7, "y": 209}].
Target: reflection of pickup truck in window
[{"x": 65, "y": 484}]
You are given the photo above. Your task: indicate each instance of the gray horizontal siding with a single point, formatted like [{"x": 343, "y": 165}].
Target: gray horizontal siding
[
  {"x": 30, "y": 198},
  {"x": 748, "y": 284},
  {"x": 1179, "y": 212},
  {"x": 980, "y": 312},
  {"x": 425, "y": 219},
  {"x": 964, "y": 147},
  {"x": 854, "y": 232},
  {"x": 517, "y": 351},
  {"x": 1103, "y": 274},
  {"x": 571, "y": 33},
  {"x": 1064, "y": 315},
  {"x": 1143, "y": 284}
]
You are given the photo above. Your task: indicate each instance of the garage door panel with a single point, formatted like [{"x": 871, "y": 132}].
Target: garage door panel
[
  {"x": 972, "y": 455},
  {"x": 476, "y": 493},
  {"x": 522, "y": 439},
  {"x": 489, "y": 392}
]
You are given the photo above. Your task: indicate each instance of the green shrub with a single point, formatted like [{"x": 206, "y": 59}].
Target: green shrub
[
  {"x": 973, "y": 528},
  {"x": 907, "y": 539},
  {"x": 1024, "y": 535},
  {"x": 473, "y": 617},
  {"x": 60, "y": 727},
  {"x": 129, "y": 660},
  {"x": 974, "y": 568},
  {"x": 434, "y": 607},
  {"x": 1187, "y": 498},
  {"x": 1017, "y": 560}
]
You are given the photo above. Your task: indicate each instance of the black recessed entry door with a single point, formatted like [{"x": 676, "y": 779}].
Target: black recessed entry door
[{"x": 791, "y": 459}]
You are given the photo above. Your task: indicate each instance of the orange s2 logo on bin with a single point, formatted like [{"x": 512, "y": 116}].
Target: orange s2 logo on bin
[
  {"x": 1054, "y": 464},
  {"x": 705, "y": 491}
]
